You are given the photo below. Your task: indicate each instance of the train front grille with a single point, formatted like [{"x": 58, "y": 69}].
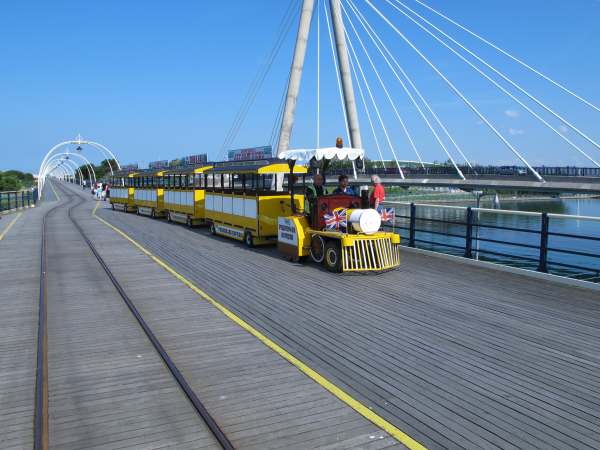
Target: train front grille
[{"x": 370, "y": 254}]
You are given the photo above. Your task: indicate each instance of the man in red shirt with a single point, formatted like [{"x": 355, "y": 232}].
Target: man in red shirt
[{"x": 378, "y": 194}]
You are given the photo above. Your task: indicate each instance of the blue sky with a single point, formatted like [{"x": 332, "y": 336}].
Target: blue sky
[{"x": 157, "y": 80}]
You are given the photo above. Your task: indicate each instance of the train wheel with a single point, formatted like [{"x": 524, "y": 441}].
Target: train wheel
[
  {"x": 248, "y": 239},
  {"x": 333, "y": 256},
  {"x": 212, "y": 228},
  {"x": 317, "y": 249},
  {"x": 188, "y": 222}
]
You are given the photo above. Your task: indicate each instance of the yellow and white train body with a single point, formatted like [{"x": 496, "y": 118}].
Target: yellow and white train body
[
  {"x": 245, "y": 199},
  {"x": 183, "y": 195},
  {"x": 148, "y": 195},
  {"x": 122, "y": 191}
]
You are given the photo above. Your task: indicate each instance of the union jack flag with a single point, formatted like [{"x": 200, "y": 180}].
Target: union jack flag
[
  {"x": 336, "y": 219},
  {"x": 388, "y": 215}
]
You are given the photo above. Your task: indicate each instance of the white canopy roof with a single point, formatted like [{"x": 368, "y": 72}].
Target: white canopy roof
[{"x": 305, "y": 155}]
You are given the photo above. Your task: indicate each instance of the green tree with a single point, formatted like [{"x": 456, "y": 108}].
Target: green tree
[{"x": 9, "y": 183}]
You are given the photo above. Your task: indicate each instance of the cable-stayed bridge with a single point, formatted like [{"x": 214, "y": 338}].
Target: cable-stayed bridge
[{"x": 370, "y": 46}]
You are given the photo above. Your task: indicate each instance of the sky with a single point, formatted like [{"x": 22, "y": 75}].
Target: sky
[{"x": 155, "y": 80}]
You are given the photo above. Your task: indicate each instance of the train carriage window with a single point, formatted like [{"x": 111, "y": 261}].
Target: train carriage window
[
  {"x": 217, "y": 181},
  {"x": 237, "y": 182},
  {"x": 177, "y": 181},
  {"x": 266, "y": 182},
  {"x": 198, "y": 180},
  {"x": 252, "y": 183},
  {"x": 226, "y": 181}
]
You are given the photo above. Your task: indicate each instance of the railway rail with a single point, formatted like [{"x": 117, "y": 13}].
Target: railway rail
[{"x": 41, "y": 424}]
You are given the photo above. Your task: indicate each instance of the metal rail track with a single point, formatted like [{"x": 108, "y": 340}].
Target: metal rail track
[
  {"x": 41, "y": 413},
  {"x": 40, "y": 421}
]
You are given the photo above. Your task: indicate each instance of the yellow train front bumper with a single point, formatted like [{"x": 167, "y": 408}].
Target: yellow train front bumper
[{"x": 361, "y": 253}]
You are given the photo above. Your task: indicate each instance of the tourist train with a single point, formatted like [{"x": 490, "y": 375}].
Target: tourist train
[{"x": 263, "y": 201}]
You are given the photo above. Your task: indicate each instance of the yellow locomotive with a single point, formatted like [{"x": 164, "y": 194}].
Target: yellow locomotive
[{"x": 341, "y": 231}]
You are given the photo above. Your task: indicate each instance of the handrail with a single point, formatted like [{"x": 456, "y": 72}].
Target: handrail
[
  {"x": 536, "y": 252},
  {"x": 571, "y": 216}
]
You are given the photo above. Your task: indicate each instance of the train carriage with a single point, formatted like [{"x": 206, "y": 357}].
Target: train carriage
[
  {"x": 122, "y": 191},
  {"x": 184, "y": 195},
  {"x": 244, "y": 199},
  {"x": 148, "y": 193}
]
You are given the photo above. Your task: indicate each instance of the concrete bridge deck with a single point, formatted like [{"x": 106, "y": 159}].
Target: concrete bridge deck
[{"x": 449, "y": 354}]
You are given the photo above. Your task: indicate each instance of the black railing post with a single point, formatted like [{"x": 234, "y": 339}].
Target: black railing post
[
  {"x": 22, "y": 199},
  {"x": 543, "y": 264},
  {"x": 413, "y": 221},
  {"x": 469, "y": 234}
]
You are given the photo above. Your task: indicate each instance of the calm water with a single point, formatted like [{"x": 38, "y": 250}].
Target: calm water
[{"x": 522, "y": 231}]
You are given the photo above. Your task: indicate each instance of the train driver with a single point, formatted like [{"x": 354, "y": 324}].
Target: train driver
[{"x": 343, "y": 187}]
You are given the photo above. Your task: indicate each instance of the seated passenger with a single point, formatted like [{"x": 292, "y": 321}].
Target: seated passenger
[
  {"x": 314, "y": 190},
  {"x": 343, "y": 187}
]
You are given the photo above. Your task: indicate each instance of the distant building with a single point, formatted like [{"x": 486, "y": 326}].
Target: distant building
[
  {"x": 246, "y": 154},
  {"x": 158, "y": 164},
  {"x": 130, "y": 167},
  {"x": 202, "y": 158}
]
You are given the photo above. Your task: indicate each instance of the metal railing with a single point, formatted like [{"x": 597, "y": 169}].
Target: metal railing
[
  {"x": 17, "y": 199},
  {"x": 537, "y": 242},
  {"x": 475, "y": 171}
]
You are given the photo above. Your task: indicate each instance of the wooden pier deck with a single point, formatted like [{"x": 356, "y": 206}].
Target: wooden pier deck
[
  {"x": 453, "y": 355},
  {"x": 109, "y": 389}
]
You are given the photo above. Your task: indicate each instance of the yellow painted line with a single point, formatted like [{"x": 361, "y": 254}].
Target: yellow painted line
[
  {"x": 94, "y": 210},
  {"x": 54, "y": 190},
  {"x": 9, "y": 226},
  {"x": 315, "y": 376}
]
